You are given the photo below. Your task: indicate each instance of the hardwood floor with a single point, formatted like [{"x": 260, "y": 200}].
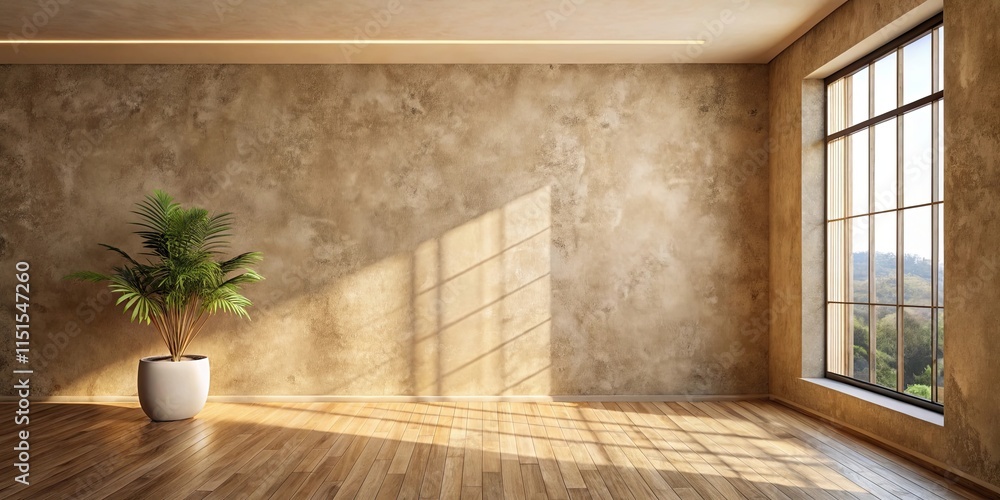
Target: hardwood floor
[{"x": 752, "y": 449}]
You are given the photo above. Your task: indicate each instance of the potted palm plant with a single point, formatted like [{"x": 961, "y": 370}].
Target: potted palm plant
[{"x": 182, "y": 284}]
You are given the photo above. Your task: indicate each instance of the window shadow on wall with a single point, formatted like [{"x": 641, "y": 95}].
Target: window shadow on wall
[{"x": 465, "y": 313}]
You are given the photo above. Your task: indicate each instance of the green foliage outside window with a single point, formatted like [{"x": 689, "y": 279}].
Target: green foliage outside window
[{"x": 918, "y": 343}]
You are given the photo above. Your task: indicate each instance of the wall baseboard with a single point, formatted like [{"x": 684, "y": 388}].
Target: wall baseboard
[
  {"x": 962, "y": 478},
  {"x": 413, "y": 399}
]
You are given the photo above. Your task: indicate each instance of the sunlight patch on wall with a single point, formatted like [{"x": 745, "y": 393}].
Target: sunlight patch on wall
[
  {"x": 467, "y": 313},
  {"x": 483, "y": 303}
]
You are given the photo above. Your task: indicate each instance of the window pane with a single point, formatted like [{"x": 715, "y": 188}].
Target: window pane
[
  {"x": 940, "y": 354},
  {"x": 836, "y": 271},
  {"x": 940, "y": 58},
  {"x": 940, "y": 148},
  {"x": 940, "y": 266},
  {"x": 885, "y": 84},
  {"x": 918, "y": 155},
  {"x": 837, "y": 323},
  {"x": 885, "y": 258},
  {"x": 858, "y": 144},
  {"x": 917, "y": 69},
  {"x": 885, "y": 165},
  {"x": 836, "y": 175},
  {"x": 885, "y": 346},
  {"x": 836, "y": 106},
  {"x": 917, "y": 256},
  {"x": 859, "y": 259},
  {"x": 859, "y": 96},
  {"x": 861, "y": 341},
  {"x": 917, "y": 348}
]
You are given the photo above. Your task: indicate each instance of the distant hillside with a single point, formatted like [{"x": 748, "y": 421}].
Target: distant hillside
[
  {"x": 885, "y": 265},
  {"x": 916, "y": 279}
]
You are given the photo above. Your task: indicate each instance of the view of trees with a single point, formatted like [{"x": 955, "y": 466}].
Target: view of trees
[{"x": 917, "y": 341}]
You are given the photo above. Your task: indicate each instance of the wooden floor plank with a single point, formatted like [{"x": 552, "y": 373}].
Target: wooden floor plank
[
  {"x": 677, "y": 468},
  {"x": 551, "y": 475},
  {"x": 685, "y": 439},
  {"x": 416, "y": 465},
  {"x": 491, "y": 440},
  {"x": 758, "y": 448},
  {"x": 749, "y": 480},
  {"x": 467, "y": 450},
  {"x": 262, "y": 475},
  {"x": 614, "y": 444},
  {"x": 534, "y": 485},
  {"x": 632, "y": 444},
  {"x": 472, "y": 464},
  {"x": 901, "y": 473},
  {"x": 492, "y": 486},
  {"x": 434, "y": 472},
  {"x": 607, "y": 473},
  {"x": 310, "y": 484},
  {"x": 390, "y": 486},
  {"x": 355, "y": 478}
]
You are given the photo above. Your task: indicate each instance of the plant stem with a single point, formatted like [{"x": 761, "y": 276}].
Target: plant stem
[
  {"x": 174, "y": 334},
  {"x": 158, "y": 322},
  {"x": 197, "y": 325}
]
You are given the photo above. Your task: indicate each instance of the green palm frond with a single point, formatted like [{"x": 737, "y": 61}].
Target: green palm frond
[
  {"x": 155, "y": 214},
  {"x": 227, "y": 299},
  {"x": 250, "y": 276},
  {"x": 242, "y": 260},
  {"x": 133, "y": 286},
  {"x": 184, "y": 282},
  {"x": 87, "y": 276},
  {"x": 120, "y": 252},
  {"x": 217, "y": 232}
]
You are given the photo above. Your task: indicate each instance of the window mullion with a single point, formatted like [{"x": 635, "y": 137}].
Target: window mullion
[
  {"x": 872, "y": 299},
  {"x": 934, "y": 301},
  {"x": 847, "y": 343},
  {"x": 935, "y": 60},
  {"x": 934, "y": 235},
  {"x": 899, "y": 226},
  {"x": 936, "y": 195}
]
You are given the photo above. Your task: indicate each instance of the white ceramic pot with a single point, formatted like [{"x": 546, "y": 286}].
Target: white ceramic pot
[{"x": 170, "y": 390}]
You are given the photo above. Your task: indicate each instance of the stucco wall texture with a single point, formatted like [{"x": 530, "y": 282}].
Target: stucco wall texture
[
  {"x": 970, "y": 439},
  {"x": 427, "y": 230}
]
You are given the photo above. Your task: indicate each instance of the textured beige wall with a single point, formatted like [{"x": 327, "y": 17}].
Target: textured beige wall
[
  {"x": 427, "y": 229},
  {"x": 970, "y": 438},
  {"x": 972, "y": 235}
]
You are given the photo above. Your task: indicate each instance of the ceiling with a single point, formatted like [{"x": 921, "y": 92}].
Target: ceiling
[{"x": 404, "y": 31}]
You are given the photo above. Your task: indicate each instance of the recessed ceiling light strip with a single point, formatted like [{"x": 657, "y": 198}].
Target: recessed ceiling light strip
[{"x": 360, "y": 42}]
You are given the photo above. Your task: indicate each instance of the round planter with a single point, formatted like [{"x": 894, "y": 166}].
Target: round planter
[{"x": 170, "y": 390}]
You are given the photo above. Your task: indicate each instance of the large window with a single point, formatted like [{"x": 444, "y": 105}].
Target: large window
[{"x": 885, "y": 264}]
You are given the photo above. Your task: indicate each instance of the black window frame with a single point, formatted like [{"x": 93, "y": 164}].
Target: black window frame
[{"x": 897, "y": 112}]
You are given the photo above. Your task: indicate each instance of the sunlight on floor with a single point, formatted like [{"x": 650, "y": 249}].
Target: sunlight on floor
[{"x": 651, "y": 437}]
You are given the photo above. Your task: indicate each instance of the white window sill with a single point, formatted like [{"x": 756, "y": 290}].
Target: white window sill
[{"x": 880, "y": 400}]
